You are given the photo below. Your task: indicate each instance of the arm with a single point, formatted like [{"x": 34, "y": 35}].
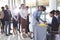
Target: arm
[
  {"x": 54, "y": 23},
  {"x": 42, "y": 20},
  {"x": 34, "y": 17},
  {"x": 59, "y": 19}
]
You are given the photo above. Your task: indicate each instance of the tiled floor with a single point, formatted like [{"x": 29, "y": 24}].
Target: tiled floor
[{"x": 12, "y": 37}]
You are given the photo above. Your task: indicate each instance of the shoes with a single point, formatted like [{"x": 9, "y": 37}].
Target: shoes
[
  {"x": 21, "y": 36},
  {"x": 2, "y": 31},
  {"x": 19, "y": 31},
  {"x": 24, "y": 35},
  {"x": 7, "y": 34},
  {"x": 10, "y": 33},
  {"x": 31, "y": 36}
]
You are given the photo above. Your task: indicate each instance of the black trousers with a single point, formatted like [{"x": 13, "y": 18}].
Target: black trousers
[
  {"x": 3, "y": 23},
  {"x": 27, "y": 27},
  {"x": 19, "y": 26}
]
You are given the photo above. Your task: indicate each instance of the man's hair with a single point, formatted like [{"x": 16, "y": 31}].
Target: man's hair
[
  {"x": 41, "y": 6},
  {"x": 22, "y": 4},
  {"x": 52, "y": 12},
  {"x": 2, "y": 7},
  {"x": 57, "y": 11},
  {"x": 7, "y": 6}
]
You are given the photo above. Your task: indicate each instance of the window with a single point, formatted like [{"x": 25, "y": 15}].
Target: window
[
  {"x": 59, "y": 2},
  {"x": 30, "y": 3},
  {"x": 43, "y": 2}
]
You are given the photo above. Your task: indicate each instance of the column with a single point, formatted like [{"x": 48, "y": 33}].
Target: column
[
  {"x": 53, "y": 4},
  {"x": 13, "y": 3},
  {"x": 10, "y": 4},
  {"x": 22, "y": 1}
]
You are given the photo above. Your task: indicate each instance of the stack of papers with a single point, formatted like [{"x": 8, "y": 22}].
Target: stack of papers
[{"x": 42, "y": 25}]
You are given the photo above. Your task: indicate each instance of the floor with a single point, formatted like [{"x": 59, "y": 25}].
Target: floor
[{"x": 12, "y": 37}]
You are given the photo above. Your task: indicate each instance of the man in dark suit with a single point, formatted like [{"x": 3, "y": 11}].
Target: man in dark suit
[{"x": 54, "y": 25}]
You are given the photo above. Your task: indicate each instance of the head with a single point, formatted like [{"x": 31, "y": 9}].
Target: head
[
  {"x": 2, "y": 8},
  {"x": 44, "y": 8},
  {"x": 57, "y": 12},
  {"x": 22, "y": 6},
  {"x": 52, "y": 13},
  {"x": 6, "y": 6},
  {"x": 40, "y": 8},
  {"x": 27, "y": 7}
]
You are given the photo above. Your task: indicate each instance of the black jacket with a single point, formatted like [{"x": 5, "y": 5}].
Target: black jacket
[
  {"x": 6, "y": 15},
  {"x": 54, "y": 25}
]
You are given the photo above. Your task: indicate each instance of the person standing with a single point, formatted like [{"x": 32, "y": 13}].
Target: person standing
[
  {"x": 59, "y": 21},
  {"x": 30, "y": 33},
  {"x": 54, "y": 25},
  {"x": 57, "y": 14},
  {"x": 23, "y": 14},
  {"x": 39, "y": 32},
  {"x": 7, "y": 20},
  {"x": 19, "y": 19},
  {"x": 15, "y": 24},
  {"x": 27, "y": 27},
  {"x": 2, "y": 19},
  {"x": 15, "y": 21}
]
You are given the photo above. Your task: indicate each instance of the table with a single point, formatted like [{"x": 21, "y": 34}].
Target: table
[{"x": 39, "y": 32}]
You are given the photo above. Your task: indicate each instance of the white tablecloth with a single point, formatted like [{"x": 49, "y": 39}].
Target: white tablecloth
[{"x": 39, "y": 32}]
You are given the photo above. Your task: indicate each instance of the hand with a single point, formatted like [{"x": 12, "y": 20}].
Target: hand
[
  {"x": 38, "y": 22},
  {"x": 16, "y": 20},
  {"x": 46, "y": 23}
]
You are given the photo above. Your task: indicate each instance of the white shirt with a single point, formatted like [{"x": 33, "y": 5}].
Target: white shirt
[
  {"x": 49, "y": 21},
  {"x": 56, "y": 16},
  {"x": 23, "y": 13},
  {"x": 15, "y": 13}
]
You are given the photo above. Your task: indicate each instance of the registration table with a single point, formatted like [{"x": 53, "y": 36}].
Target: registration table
[{"x": 40, "y": 32}]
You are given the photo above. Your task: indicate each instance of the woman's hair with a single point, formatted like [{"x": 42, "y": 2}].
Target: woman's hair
[
  {"x": 27, "y": 7},
  {"x": 44, "y": 8}
]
